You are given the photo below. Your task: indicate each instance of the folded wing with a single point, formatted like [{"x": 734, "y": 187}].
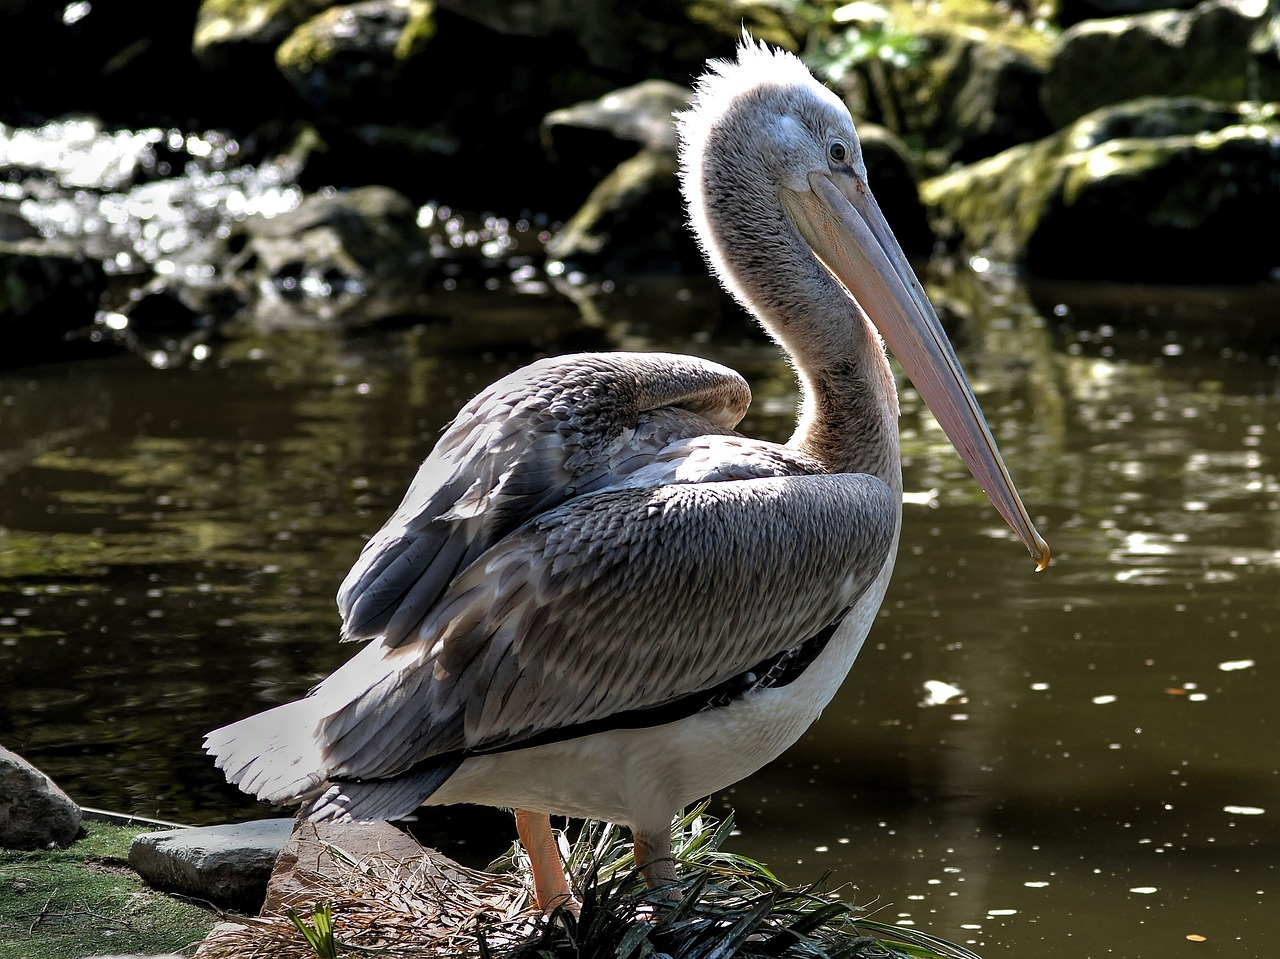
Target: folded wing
[{"x": 529, "y": 584}]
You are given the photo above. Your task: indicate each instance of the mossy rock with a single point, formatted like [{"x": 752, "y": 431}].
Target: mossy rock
[
  {"x": 85, "y": 900},
  {"x": 959, "y": 80},
  {"x": 226, "y": 30},
  {"x": 1164, "y": 190}
]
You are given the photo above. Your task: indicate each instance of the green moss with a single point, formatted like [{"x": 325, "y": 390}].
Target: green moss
[
  {"x": 84, "y": 900},
  {"x": 783, "y": 23},
  {"x": 417, "y": 33},
  {"x": 1119, "y": 158},
  {"x": 260, "y": 21},
  {"x": 998, "y": 202},
  {"x": 306, "y": 48},
  {"x": 1033, "y": 39},
  {"x": 313, "y": 43},
  {"x": 1146, "y": 168},
  {"x": 261, "y": 10}
]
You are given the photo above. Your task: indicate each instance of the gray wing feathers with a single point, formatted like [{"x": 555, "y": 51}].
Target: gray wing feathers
[
  {"x": 532, "y": 440},
  {"x": 574, "y": 546},
  {"x": 601, "y": 606},
  {"x": 387, "y": 799}
]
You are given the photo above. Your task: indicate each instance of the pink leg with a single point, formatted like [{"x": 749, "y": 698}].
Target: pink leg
[
  {"x": 550, "y": 887},
  {"x": 653, "y": 856}
]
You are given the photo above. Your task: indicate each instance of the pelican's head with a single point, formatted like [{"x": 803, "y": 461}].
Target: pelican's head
[
  {"x": 758, "y": 125},
  {"x": 772, "y": 171}
]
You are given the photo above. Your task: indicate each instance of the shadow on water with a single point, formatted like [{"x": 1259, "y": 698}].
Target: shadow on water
[{"x": 1077, "y": 763}]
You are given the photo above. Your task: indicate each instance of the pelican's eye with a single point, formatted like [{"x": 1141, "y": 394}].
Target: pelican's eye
[{"x": 839, "y": 152}]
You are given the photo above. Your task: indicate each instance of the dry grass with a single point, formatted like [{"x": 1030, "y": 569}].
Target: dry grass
[
  {"x": 393, "y": 909},
  {"x": 723, "y": 905}
]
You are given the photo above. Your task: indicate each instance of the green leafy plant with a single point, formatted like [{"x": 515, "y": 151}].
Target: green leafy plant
[
  {"x": 319, "y": 934},
  {"x": 723, "y": 905},
  {"x": 852, "y": 34}
]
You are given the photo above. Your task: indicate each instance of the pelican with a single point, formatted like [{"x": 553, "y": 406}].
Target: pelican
[{"x": 597, "y": 599}]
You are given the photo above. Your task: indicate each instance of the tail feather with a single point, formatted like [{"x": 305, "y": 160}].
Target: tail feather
[
  {"x": 273, "y": 755},
  {"x": 280, "y": 756}
]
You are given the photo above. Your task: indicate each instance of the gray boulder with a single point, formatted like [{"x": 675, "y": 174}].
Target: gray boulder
[
  {"x": 634, "y": 220},
  {"x": 354, "y": 254},
  {"x": 49, "y": 290},
  {"x": 34, "y": 812},
  {"x": 957, "y": 85},
  {"x": 226, "y": 33},
  {"x": 968, "y": 94},
  {"x": 227, "y": 865},
  {"x": 348, "y": 59},
  {"x": 1212, "y": 51},
  {"x": 1177, "y": 190},
  {"x": 631, "y": 221},
  {"x": 587, "y": 140}
]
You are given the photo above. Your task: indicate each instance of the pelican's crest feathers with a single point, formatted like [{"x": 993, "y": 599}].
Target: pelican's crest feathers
[{"x": 757, "y": 65}]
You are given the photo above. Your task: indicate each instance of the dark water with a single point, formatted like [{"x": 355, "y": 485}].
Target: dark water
[{"x": 1103, "y": 782}]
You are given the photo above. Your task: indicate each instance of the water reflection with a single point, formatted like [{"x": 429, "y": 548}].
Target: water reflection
[{"x": 1095, "y": 773}]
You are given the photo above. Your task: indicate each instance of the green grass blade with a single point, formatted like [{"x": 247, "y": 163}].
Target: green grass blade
[
  {"x": 320, "y": 935},
  {"x": 916, "y": 943},
  {"x": 740, "y": 931}
]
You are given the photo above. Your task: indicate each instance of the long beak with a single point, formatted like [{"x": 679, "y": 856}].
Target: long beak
[{"x": 849, "y": 234}]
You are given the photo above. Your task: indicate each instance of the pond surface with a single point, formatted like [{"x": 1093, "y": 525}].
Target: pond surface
[{"x": 1082, "y": 762}]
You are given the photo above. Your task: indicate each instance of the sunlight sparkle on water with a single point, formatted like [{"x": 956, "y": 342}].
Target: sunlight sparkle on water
[
  {"x": 75, "y": 12},
  {"x": 1146, "y": 544},
  {"x": 938, "y": 693}
]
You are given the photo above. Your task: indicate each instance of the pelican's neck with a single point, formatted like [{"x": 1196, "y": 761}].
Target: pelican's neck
[
  {"x": 848, "y": 414},
  {"x": 849, "y": 402}
]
